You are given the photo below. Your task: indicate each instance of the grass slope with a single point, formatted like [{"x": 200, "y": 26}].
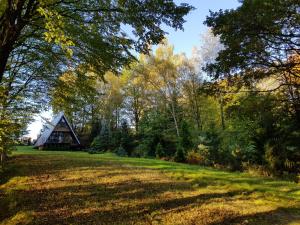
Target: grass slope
[{"x": 42, "y": 187}]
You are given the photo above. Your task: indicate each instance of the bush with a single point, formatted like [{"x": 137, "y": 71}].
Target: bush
[
  {"x": 275, "y": 157},
  {"x": 186, "y": 137},
  {"x": 257, "y": 170},
  {"x": 205, "y": 153},
  {"x": 137, "y": 153},
  {"x": 93, "y": 151},
  {"x": 121, "y": 152},
  {"x": 194, "y": 157},
  {"x": 180, "y": 154},
  {"x": 142, "y": 150},
  {"x": 100, "y": 143},
  {"x": 159, "y": 151}
]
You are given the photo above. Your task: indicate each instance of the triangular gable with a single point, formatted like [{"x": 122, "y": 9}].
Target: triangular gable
[
  {"x": 50, "y": 128},
  {"x": 78, "y": 142}
]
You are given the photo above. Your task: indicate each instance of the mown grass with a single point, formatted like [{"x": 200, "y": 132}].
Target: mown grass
[{"x": 43, "y": 187}]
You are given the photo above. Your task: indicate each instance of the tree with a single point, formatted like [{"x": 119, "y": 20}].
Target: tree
[
  {"x": 180, "y": 154},
  {"x": 186, "y": 137},
  {"x": 136, "y": 93},
  {"x": 161, "y": 72},
  {"x": 191, "y": 84},
  {"x": 157, "y": 127},
  {"x": 264, "y": 42},
  {"x": 42, "y": 39},
  {"x": 91, "y": 31},
  {"x": 195, "y": 77},
  {"x": 260, "y": 47},
  {"x": 126, "y": 138},
  {"x": 87, "y": 100},
  {"x": 159, "y": 151}
]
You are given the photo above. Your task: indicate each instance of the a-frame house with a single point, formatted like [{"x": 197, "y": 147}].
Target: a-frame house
[{"x": 58, "y": 134}]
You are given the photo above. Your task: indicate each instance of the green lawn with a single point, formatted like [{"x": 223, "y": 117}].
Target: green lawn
[{"x": 43, "y": 187}]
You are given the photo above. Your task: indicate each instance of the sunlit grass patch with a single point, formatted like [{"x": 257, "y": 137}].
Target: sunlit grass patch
[
  {"x": 79, "y": 188},
  {"x": 20, "y": 218}
]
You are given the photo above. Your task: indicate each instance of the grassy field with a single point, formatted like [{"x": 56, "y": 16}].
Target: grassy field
[{"x": 41, "y": 187}]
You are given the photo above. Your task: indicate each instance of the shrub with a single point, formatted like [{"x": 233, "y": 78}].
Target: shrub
[
  {"x": 100, "y": 143},
  {"x": 276, "y": 158},
  {"x": 142, "y": 150},
  {"x": 194, "y": 157},
  {"x": 127, "y": 140},
  {"x": 257, "y": 170},
  {"x": 96, "y": 143},
  {"x": 159, "y": 151},
  {"x": 121, "y": 152},
  {"x": 92, "y": 151},
  {"x": 137, "y": 153},
  {"x": 208, "y": 146},
  {"x": 186, "y": 137},
  {"x": 180, "y": 154}
]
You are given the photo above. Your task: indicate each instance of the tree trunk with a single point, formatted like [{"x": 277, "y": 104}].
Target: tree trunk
[
  {"x": 13, "y": 20},
  {"x": 222, "y": 112},
  {"x": 175, "y": 119},
  {"x": 2, "y": 158},
  {"x": 4, "y": 54},
  {"x": 136, "y": 120},
  {"x": 198, "y": 116}
]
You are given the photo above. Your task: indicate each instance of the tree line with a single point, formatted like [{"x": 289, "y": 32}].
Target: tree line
[
  {"x": 41, "y": 39},
  {"x": 235, "y": 103},
  {"x": 166, "y": 106}
]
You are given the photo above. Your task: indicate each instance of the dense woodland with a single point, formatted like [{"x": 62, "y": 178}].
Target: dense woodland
[
  {"x": 234, "y": 104},
  {"x": 165, "y": 106}
]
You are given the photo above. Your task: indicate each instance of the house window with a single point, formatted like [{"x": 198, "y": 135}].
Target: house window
[
  {"x": 62, "y": 123},
  {"x": 60, "y": 137}
]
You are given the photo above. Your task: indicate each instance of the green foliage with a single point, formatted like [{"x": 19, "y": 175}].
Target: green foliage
[
  {"x": 126, "y": 138},
  {"x": 142, "y": 150},
  {"x": 47, "y": 38},
  {"x": 120, "y": 151},
  {"x": 281, "y": 155},
  {"x": 159, "y": 151},
  {"x": 247, "y": 53},
  {"x": 102, "y": 141},
  {"x": 12, "y": 127},
  {"x": 96, "y": 145},
  {"x": 194, "y": 157},
  {"x": 158, "y": 127},
  {"x": 208, "y": 147},
  {"x": 260, "y": 125},
  {"x": 90, "y": 33},
  {"x": 185, "y": 135},
  {"x": 180, "y": 154}
]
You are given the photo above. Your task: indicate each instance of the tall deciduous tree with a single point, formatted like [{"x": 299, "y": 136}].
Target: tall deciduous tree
[
  {"x": 136, "y": 93},
  {"x": 42, "y": 39},
  {"x": 163, "y": 76},
  {"x": 97, "y": 31},
  {"x": 261, "y": 46}
]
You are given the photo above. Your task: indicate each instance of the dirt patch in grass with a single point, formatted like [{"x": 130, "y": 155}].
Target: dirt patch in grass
[{"x": 65, "y": 188}]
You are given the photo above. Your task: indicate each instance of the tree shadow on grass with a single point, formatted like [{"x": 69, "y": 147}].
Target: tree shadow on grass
[
  {"x": 104, "y": 204},
  {"x": 134, "y": 199},
  {"x": 279, "y": 216}
]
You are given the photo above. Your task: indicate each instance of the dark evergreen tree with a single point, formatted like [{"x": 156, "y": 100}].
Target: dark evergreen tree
[
  {"x": 180, "y": 155},
  {"x": 126, "y": 138},
  {"x": 159, "y": 151},
  {"x": 186, "y": 137}
]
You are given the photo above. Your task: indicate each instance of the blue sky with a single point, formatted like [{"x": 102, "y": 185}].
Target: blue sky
[{"x": 183, "y": 41}]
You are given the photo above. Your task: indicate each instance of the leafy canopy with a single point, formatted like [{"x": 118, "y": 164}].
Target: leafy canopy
[{"x": 259, "y": 37}]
